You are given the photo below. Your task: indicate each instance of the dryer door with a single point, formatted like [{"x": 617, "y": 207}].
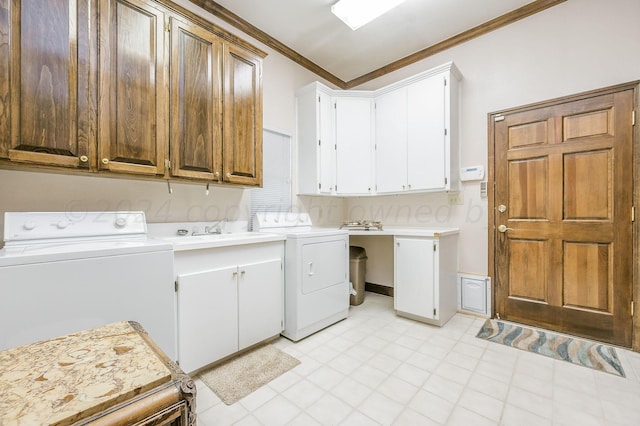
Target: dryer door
[{"x": 323, "y": 265}]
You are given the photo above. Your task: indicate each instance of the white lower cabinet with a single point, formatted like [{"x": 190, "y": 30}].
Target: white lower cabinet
[
  {"x": 425, "y": 278},
  {"x": 224, "y": 309}
]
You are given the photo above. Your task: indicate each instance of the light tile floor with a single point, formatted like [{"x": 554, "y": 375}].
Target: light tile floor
[{"x": 376, "y": 368}]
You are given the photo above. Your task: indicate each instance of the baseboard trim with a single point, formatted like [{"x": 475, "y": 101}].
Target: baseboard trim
[{"x": 380, "y": 289}]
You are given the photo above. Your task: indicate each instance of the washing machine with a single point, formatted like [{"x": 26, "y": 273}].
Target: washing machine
[
  {"x": 63, "y": 272},
  {"x": 316, "y": 272}
]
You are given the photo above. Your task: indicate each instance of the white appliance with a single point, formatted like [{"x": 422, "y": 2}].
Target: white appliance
[
  {"x": 63, "y": 272},
  {"x": 316, "y": 283}
]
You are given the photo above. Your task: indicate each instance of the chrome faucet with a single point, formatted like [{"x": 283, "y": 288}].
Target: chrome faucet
[{"x": 215, "y": 229}]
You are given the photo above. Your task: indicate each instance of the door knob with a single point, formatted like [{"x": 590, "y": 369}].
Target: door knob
[
  {"x": 503, "y": 228},
  {"x": 502, "y": 208}
]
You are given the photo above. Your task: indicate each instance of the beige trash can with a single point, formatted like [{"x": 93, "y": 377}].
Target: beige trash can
[{"x": 357, "y": 269}]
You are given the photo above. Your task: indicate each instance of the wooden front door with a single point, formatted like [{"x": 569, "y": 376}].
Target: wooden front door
[{"x": 563, "y": 215}]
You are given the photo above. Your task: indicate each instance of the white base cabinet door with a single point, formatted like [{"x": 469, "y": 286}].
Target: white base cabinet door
[
  {"x": 207, "y": 317},
  {"x": 260, "y": 302},
  {"x": 425, "y": 287}
]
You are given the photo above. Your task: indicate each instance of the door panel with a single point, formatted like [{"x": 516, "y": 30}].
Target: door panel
[{"x": 564, "y": 252}]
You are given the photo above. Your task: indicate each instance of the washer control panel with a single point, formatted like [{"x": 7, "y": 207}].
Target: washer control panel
[{"x": 33, "y": 226}]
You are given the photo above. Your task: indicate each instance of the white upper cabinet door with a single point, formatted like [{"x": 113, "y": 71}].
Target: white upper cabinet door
[
  {"x": 327, "y": 145},
  {"x": 353, "y": 126},
  {"x": 426, "y": 138},
  {"x": 391, "y": 141},
  {"x": 316, "y": 140}
]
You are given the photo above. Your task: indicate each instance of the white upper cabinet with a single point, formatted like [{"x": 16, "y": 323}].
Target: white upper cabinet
[
  {"x": 391, "y": 141},
  {"x": 354, "y": 136},
  {"x": 400, "y": 138},
  {"x": 427, "y": 134},
  {"x": 316, "y": 141}
]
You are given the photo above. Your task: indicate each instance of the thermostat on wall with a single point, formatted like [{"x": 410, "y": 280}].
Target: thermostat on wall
[{"x": 472, "y": 173}]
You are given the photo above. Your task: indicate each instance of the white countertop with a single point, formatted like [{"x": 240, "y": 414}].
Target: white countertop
[{"x": 407, "y": 231}]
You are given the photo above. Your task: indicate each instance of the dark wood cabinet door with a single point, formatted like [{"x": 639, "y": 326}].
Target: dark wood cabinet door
[
  {"x": 46, "y": 81},
  {"x": 132, "y": 88},
  {"x": 242, "y": 139},
  {"x": 196, "y": 103}
]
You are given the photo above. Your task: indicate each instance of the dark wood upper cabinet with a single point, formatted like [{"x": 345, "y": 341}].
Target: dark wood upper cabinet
[
  {"x": 138, "y": 87},
  {"x": 132, "y": 88},
  {"x": 242, "y": 139},
  {"x": 46, "y": 82},
  {"x": 196, "y": 103}
]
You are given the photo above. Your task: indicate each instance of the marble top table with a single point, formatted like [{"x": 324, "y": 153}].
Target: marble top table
[{"x": 73, "y": 377}]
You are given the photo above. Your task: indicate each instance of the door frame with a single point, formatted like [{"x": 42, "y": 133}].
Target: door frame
[{"x": 491, "y": 183}]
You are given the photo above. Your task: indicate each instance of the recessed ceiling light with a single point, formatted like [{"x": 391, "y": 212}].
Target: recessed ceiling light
[{"x": 356, "y": 13}]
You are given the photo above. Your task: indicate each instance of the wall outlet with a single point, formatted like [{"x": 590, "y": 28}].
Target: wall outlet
[{"x": 456, "y": 198}]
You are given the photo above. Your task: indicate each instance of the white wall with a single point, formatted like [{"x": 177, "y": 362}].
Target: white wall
[
  {"x": 577, "y": 46},
  {"x": 573, "y": 47}
]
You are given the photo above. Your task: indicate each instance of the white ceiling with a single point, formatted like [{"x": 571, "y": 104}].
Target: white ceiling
[{"x": 309, "y": 28}]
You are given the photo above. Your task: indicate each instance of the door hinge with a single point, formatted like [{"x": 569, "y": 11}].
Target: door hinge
[
  {"x": 445, "y": 81},
  {"x": 434, "y": 247},
  {"x": 318, "y": 99},
  {"x": 167, "y": 27},
  {"x": 319, "y": 186},
  {"x": 434, "y": 312},
  {"x": 167, "y": 164},
  {"x": 633, "y": 117},
  {"x": 633, "y": 214},
  {"x": 319, "y": 142},
  {"x": 633, "y": 307},
  {"x": 498, "y": 118},
  {"x": 445, "y": 181},
  {"x": 175, "y": 286},
  {"x": 445, "y": 132}
]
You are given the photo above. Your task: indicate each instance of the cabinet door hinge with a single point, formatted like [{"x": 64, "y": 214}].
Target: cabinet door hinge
[
  {"x": 167, "y": 27},
  {"x": 434, "y": 312},
  {"x": 498, "y": 118},
  {"x": 633, "y": 117},
  {"x": 445, "y": 132},
  {"x": 434, "y": 247},
  {"x": 319, "y": 142},
  {"x": 633, "y": 214},
  {"x": 167, "y": 164},
  {"x": 175, "y": 286},
  {"x": 318, "y": 99},
  {"x": 633, "y": 307},
  {"x": 335, "y": 146},
  {"x": 319, "y": 186},
  {"x": 445, "y": 181}
]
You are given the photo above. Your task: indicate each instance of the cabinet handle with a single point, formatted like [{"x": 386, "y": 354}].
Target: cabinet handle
[
  {"x": 217, "y": 174},
  {"x": 235, "y": 274},
  {"x": 403, "y": 187},
  {"x": 228, "y": 175},
  {"x": 409, "y": 186},
  {"x": 105, "y": 161},
  {"x": 242, "y": 273},
  {"x": 84, "y": 158}
]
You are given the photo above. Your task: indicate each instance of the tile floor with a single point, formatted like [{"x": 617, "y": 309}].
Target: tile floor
[{"x": 376, "y": 368}]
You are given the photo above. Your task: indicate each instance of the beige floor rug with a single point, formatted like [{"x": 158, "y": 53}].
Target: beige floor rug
[{"x": 242, "y": 375}]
